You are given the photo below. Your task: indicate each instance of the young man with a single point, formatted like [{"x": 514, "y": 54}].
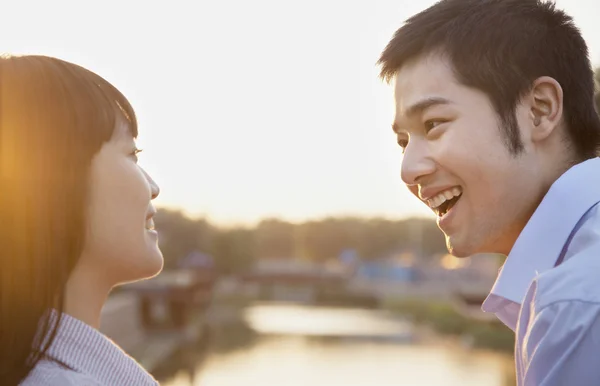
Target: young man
[{"x": 495, "y": 115}]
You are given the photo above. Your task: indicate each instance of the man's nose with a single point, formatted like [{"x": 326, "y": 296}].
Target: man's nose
[{"x": 416, "y": 163}]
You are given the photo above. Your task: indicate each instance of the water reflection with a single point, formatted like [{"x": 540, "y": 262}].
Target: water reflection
[
  {"x": 325, "y": 321},
  {"x": 299, "y": 345}
]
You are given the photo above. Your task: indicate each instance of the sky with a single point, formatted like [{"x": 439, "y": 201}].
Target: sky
[{"x": 250, "y": 109}]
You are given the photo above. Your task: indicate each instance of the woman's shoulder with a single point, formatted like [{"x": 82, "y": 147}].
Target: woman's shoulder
[
  {"x": 47, "y": 373},
  {"x": 81, "y": 355}
]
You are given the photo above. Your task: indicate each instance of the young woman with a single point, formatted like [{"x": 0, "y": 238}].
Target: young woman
[{"x": 75, "y": 220}]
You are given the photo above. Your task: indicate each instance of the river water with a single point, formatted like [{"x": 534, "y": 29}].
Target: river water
[{"x": 294, "y": 345}]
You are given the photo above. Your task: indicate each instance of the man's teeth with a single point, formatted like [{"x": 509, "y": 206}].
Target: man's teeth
[{"x": 444, "y": 196}]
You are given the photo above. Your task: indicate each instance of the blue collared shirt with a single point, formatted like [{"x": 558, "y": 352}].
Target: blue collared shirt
[{"x": 548, "y": 290}]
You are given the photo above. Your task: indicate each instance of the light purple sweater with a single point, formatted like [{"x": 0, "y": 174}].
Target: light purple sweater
[{"x": 81, "y": 355}]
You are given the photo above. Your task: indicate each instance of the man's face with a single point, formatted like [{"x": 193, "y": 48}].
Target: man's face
[{"x": 457, "y": 162}]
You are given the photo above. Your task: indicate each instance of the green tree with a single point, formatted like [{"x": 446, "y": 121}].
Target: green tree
[
  {"x": 234, "y": 250},
  {"x": 327, "y": 238},
  {"x": 372, "y": 238},
  {"x": 275, "y": 239},
  {"x": 179, "y": 235},
  {"x": 381, "y": 237}
]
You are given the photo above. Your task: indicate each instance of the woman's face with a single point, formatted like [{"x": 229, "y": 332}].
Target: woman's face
[{"x": 121, "y": 243}]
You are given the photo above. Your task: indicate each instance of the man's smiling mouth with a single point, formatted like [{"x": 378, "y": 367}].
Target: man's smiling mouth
[{"x": 442, "y": 202}]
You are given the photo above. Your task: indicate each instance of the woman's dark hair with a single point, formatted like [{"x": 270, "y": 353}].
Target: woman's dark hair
[
  {"x": 54, "y": 117},
  {"x": 597, "y": 96}
]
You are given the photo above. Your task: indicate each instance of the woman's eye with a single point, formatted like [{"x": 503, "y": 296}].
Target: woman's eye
[{"x": 432, "y": 124}]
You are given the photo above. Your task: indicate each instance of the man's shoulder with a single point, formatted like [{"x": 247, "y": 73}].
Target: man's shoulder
[
  {"x": 576, "y": 279},
  {"x": 52, "y": 374}
]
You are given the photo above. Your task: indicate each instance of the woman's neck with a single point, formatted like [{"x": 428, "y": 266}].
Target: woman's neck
[{"x": 85, "y": 295}]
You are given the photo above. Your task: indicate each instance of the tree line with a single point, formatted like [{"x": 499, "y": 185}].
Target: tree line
[{"x": 236, "y": 248}]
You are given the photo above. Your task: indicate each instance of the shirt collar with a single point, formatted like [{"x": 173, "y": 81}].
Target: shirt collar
[
  {"x": 540, "y": 243},
  {"x": 84, "y": 349}
]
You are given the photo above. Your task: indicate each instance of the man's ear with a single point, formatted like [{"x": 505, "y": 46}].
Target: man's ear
[{"x": 545, "y": 105}]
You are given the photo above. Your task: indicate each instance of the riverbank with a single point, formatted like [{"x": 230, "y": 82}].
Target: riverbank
[
  {"x": 434, "y": 318},
  {"x": 444, "y": 319}
]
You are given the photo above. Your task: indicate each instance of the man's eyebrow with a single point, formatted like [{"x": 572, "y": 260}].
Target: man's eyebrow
[
  {"x": 420, "y": 106},
  {"x": 424, "y": 104}
]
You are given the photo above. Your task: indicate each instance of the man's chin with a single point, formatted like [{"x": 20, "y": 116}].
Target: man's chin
[{"x": 458, "y": 249}]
